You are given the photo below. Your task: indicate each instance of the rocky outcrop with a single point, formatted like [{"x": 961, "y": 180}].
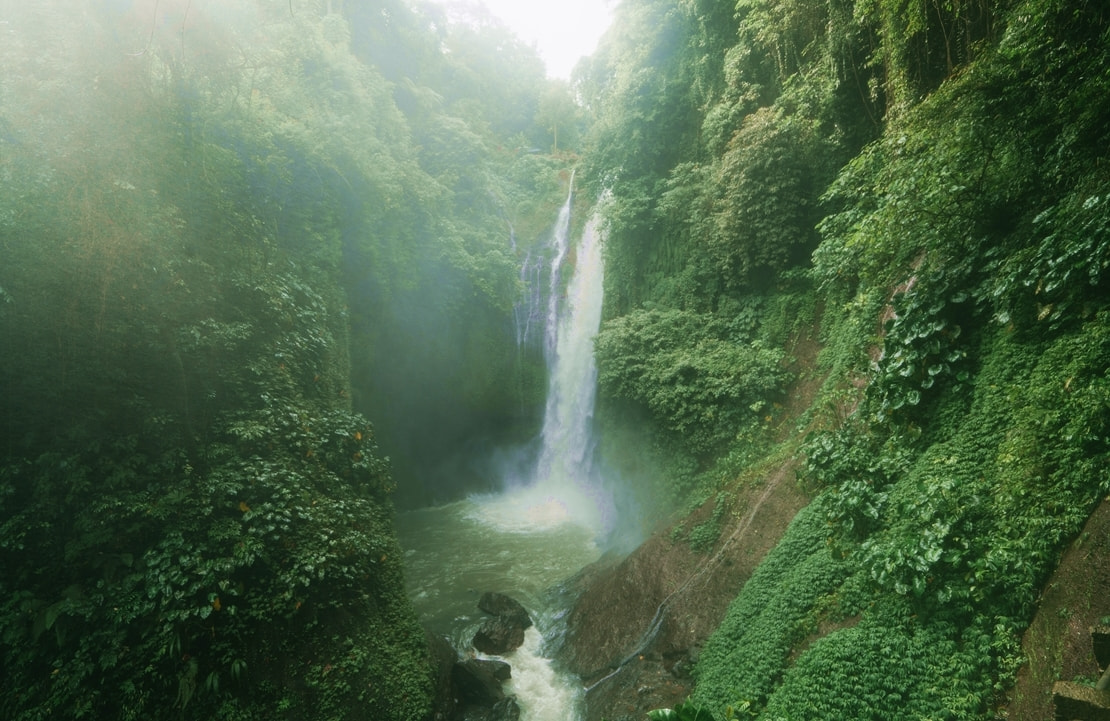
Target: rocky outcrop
[
  {"x": 1076, "y": 702},
  {"x": 442, "y": 658},
  {"x": 472, "y": 689},
  {"x": 637, "y": 625},
  {"x": 504, "y": 633},
  {"x": 1065, "y": 638},
  {"x": 469, "y": 689},
  {"x": 498, "y": 604},
  {"x": 478, "y": 681},
  {"x": 504, "y": 710},
  {"x": 498, "y": 636}
]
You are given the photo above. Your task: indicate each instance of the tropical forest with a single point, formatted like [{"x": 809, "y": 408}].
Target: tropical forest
[{"x": 353, "y": 366}]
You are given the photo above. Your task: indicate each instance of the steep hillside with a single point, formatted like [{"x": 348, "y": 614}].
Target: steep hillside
[{"x": 934, "y": 177}]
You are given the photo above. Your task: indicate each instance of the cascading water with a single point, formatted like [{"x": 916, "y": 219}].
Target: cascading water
[
  {"x": 564, "y": 485},
  {"x": 543, "y": 527},
  {"x": 527, "y": 313}
]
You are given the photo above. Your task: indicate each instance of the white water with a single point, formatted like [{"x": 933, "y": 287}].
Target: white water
[
  {"x": 565, "y": 485},
  {"x": 542, "y": 528},
  {"x": 452, "y": 556}
]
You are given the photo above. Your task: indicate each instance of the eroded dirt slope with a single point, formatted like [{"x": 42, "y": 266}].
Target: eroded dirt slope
[{"x": 638, "y": 624}]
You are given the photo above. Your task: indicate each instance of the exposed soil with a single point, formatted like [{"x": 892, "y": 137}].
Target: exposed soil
[
  {"x": 1057, "y": 643},
  {"x": 637, "y": 626},
  {"x": 635, "y": 631}
]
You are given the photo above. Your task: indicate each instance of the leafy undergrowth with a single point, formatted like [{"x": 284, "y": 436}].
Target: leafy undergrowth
[
  {"x": 941, "y": 557},
  {"x": 962, "y": 265}
]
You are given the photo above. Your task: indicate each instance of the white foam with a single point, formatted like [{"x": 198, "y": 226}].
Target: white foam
[
  {"x": 535, "y": 508},
  {"x": 541, "y": 692}
]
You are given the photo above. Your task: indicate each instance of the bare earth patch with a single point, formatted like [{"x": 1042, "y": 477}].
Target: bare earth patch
[{"x": 637, "y": 626}]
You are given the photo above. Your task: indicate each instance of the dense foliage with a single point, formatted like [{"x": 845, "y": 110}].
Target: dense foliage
[
  {"x": 933, "y": 177},
  {"x": 236, "y": 233},
  {"x": 223, "y": 233},
  {"x": 699, "y": 386}
]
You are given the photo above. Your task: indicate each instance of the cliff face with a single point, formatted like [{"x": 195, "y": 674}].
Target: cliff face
[
  {"x": 635, "y": 633},
  {"x": 243, "y": 244},
  {"x": 193, "y": 519}
]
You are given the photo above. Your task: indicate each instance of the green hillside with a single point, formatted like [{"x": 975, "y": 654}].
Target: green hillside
[{"x": 927, "y": 184}]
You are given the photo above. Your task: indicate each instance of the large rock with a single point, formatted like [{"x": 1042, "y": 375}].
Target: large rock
[
  {"x": 499, "y": 636},
  {"x": 1075, "y": 702},
  {"x": 504, "y": 710},
  {"x": 442, "y": 657},
  {"x": 478, "y": 681},
  {"x": 498, "y": 604}
]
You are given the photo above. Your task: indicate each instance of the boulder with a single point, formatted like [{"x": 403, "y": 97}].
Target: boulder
[
  {"x": 478, "y": 681},
  {"x": 442, "y": 657},
  {"x": 499, "y": 636},
  {"x": 498, "y": 604},
  {"x": 504, "y": 710}
]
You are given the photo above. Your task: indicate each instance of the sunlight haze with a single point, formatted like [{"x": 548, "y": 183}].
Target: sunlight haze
[{"x": 563, "y": 32}]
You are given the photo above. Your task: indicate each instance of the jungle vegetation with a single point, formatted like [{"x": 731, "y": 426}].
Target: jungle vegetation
[
  {"x": 922, "y": 186},
  {"x": 242, "y": 244},
  {"x": 250, "y": 248}
]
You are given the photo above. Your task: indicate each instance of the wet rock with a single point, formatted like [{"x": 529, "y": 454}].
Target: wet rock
[
  {"x": 499, "y": 636},
  {"x": 498, "y": 669},
  {"x": 442, "y": 657},
  {"x": 504, "y": 632},
  {"x": 498, "y": 604},
  {"x": 478, "y": 681},
  {"x": 504, "y": 710}
]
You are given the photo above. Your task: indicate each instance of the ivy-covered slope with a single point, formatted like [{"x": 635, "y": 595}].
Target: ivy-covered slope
[
  {"x": 929, "y": 183},
  {"x": 208, "y": 213}
]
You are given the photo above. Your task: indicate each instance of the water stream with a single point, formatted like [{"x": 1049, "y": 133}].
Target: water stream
[{"x": 543, "y": 527}]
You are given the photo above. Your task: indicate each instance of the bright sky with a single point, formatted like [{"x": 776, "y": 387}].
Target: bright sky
[{"x": 563, "y": 30}]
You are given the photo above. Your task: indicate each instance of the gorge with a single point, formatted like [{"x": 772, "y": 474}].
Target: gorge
[{"x": 806, "y": 418}]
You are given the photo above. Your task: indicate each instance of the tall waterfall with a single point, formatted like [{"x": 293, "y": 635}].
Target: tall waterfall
[
  {"x": 560, "y": 241},
  {"x": 546, "y": 524},
  {"x": 565, "y": 485}
]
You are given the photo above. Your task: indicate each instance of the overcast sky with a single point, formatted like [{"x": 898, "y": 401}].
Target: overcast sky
[{"x": 563, "y": 30}]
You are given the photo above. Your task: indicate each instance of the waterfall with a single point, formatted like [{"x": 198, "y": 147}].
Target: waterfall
[
  {"x": 560, "y": 240},
  {"x": 565, "y": 466},
  {"x": 564, "y": 484},
  {"x": 527, "y": 311},
  {"x": 548, "y": 521}
]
